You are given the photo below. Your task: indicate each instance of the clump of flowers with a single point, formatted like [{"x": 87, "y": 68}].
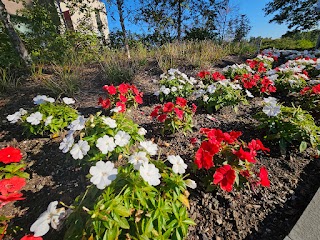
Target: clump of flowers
[
  {"x": 288, "y": 125},
  {"x": 121, "y": 97},
  {"x": 145, "y": 198},
  {"x": 231, "y": 162},
  {"x": 310, "y": 97},
  {"x": 256, "y": 83},
  {"x": 220, "y": 94},
  {"x": 261, "y": 63},
  {"x": 175, "y": 116},
  {"x": 206, "y": 76},
  {"x": 12, "y": 179},
  {"x": 48, "y": 116},
  {"x": 101, "y": 137},
  {"x": 175, "y": 84},
  {"x": 236, "y": 69}
]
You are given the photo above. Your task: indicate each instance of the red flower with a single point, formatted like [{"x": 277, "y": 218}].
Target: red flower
[
  {"x": 138, "y": 99},
  {"x": 203, "y": 74},
  {"x": 168, "y": 107},
  {"x": 193, "y": 140},
  {"x": 256, "y": 145},
  {"x": 264, "y": 180},
  {"x": 261, "y": 67},
  {"x": 225, "y": 177},
  {"x": 218, "y": 76},
  {"x": 194, "y": 108},
  {"x": 11, "y": 185},
  {"x": 162, "y": 117},
  {"x": 245, "y": 173},
  {"x": 11, "y": 197},
  {"x": 104, "y": 103},
  {"x": 110, "y": 89},
  {"x": 31, "y": 237},
  {"x": 316, "y": 89},
  {"x": 304, "y": 90},
  {"x": 122, "y": 105},
  {"x": 204, "y": 155},
  {"x": 10, "y": 155},
  {"x": 181, "y": 101},
  {"x": 123, "y": 88},
  {"x": 272, "y": 88},
  {"x": 155, "y": 111},
  {"x": 135, "y": 90},
  {"x": 123, "y": 98},
  {"x": 243, "y": 155},
  {"x": 179, "y": 113}
]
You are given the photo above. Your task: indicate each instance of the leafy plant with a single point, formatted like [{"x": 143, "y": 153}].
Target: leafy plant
[
  {"x": 290, "y": 126},
  {"x": 175, "y": 84},
  {"x": 8, "y": 80},
  {"x": 134, "y": 207},
  {"x": 175, "y": 117},
  {"x": 105, "y": 137},
  {"x": 229, "y": 160},
  {"x": 220, "y": 94}
]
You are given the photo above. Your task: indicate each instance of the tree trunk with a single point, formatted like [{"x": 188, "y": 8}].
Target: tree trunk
[
  {"x": 123, "y": 28},
  {"x": 179, "y": 20},
  {"x": 14, "y": 37}
]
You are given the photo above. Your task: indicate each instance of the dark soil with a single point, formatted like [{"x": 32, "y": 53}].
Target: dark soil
[{"x": 265, "y": 213}]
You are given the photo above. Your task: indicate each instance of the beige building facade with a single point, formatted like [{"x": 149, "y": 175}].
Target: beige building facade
[{"x": 93, "y": 19}]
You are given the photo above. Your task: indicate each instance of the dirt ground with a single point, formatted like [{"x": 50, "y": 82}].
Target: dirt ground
[{"x": 266, "y": 213}]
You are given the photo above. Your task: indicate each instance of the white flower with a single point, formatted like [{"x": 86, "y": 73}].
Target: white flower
[
  {"x": 68, "y": 100},
  {"x": 156, "y": 93},
  {"x": 34, "y": 118},
  {"x": 103, "y": 173},
  {"x": 138, "y": 159},
  {"x": 191, "y": 184},
  {"x": 178, "y": 164},
  {"x": 122, "y": 138},
  {"x": 166, "y": 91},
  {"x": 109, "y": 121},
  {"x": 22, "y": 111},
  {"x": 48, "y": 120},
  {"x": 271, "y": 110},
  {"x": 116, "y": 109},
  {"x": 249, "y": 94},
  {"x": 106, "y": 144},
  {"x": 142, "y": 131},
  {"x": 80, "y": 149},
  {"x": 66, "y": 143},
  {"x": 51, "y": 216},
  {"x": 205, "y": 98},
  {"x": 173, "y": 89},
  {"x": 150, "y": 174},
  {"x": 13, "y": 118},
  {"x": 211, "y": 88},
  {"x": 235, "y": 86},
  {"x": 78, "y": 124},
  {"x": 42, "y": 98},
  {"x": 270, "y": 100},
  {"x": 150, "y": 147}
]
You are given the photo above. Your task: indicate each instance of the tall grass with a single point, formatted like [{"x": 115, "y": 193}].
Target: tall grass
[{"x": 8, "y": 80}]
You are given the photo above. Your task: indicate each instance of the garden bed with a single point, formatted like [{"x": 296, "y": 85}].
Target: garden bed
[{"x": 262, "y": 213}]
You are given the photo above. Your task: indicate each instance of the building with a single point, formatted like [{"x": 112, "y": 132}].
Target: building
[{"x": 73, "y": 17}]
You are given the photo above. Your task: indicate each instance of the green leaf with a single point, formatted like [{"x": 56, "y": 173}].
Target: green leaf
[
  {"x": 303, "y": 146},
  {"x": 122, "y": 211}
]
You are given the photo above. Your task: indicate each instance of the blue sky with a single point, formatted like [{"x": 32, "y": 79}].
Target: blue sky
[{"x": 252, "y": 8}]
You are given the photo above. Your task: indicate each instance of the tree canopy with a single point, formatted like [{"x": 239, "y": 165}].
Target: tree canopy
[{"x": 298, "y": 15}]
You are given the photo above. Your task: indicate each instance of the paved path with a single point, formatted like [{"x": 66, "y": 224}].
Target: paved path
[{"x": 308, "y": 225}]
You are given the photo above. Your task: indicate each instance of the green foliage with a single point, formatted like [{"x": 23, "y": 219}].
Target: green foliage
[
  {"x": 221, "y": 97},
  {"x": 293, "y": 125},
  {"x": 287, "y": 43},
  {"x": 175, "y": 84},
  {"x": 96, "y": 128},
  {"x": 131, "y": 208},
  {"x": 8, "y": 80},
  {"x": 62, "y": 116},
  {"x": 13, "y": 169},
  {"x": 300, "y": 15},
  {"x": 288, "y": 81}
]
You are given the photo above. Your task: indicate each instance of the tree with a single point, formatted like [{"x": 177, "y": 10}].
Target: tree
[
  {"x": 164, "y": 16},
  {"x": 242, "y": 29},
  {"x": 299, "y": 15},
  {"x": 14, "y": 37}
]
